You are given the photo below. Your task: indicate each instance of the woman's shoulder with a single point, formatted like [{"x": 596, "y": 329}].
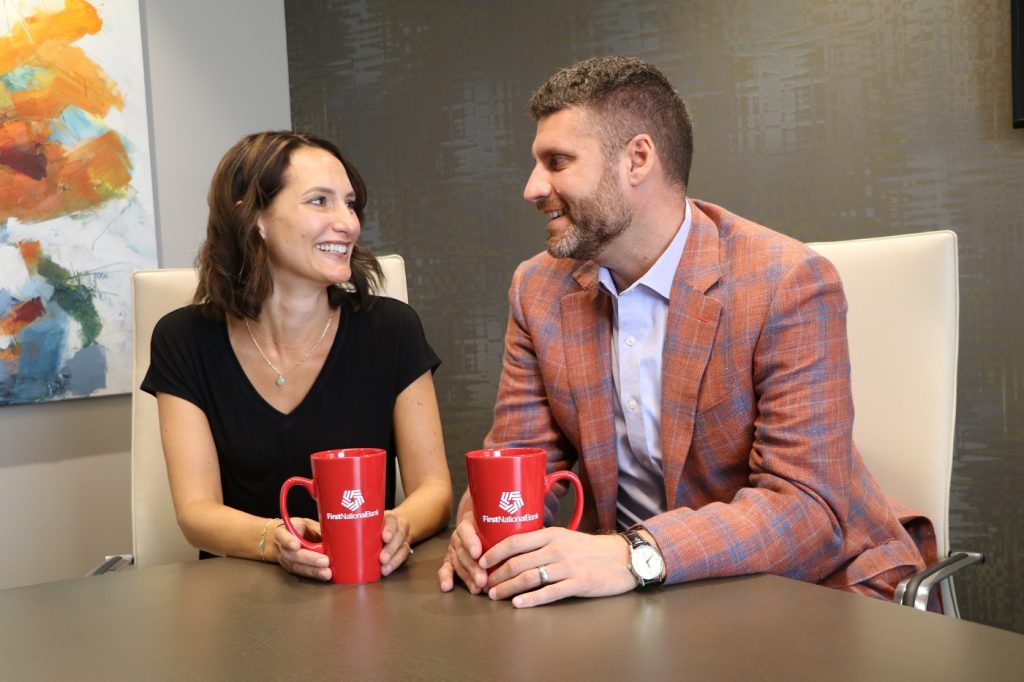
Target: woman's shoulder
[
  {"x": 189, "y": 320},
  {"x": 386, "y": 319},
  {"x": 387, "y": 310}
]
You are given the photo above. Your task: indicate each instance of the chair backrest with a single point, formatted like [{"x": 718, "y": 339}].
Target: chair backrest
[
  {"x": 903, "y": 318},
  {"x": 156, "y": 538}
]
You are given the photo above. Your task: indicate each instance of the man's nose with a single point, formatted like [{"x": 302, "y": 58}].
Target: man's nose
[{"x": 538, "y": 186}]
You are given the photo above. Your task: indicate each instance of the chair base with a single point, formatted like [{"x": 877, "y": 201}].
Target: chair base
[{"x": 114, "y": 562}]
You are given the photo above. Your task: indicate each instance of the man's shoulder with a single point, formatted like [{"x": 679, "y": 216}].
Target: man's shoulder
[{"x": 748, "y": 243}]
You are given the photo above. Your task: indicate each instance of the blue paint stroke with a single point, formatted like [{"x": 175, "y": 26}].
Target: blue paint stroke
[
  {"x": 74, "y": 125},
  {"x": 42, "y": 350},
  {"x": 23, "y": 78},
  {"x": 86, "y": 372}
]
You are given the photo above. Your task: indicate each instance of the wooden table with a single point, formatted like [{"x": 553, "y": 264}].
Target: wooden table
[{"x": 228, "y": 619}]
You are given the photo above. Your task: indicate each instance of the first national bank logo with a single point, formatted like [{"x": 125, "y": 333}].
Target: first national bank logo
[
  {"x": 352, "y": 499},
  {"x": 511, "y": 501}
]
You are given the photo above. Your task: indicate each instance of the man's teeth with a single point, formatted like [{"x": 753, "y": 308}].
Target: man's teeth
[
  {"x": 554, "y": 214},
  {"x": 333, "y": 248}
]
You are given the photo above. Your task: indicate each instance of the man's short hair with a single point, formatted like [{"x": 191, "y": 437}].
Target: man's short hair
[{"x": 630, "y": 97}]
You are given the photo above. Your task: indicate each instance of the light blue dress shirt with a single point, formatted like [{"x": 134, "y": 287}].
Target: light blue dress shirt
[{"x": 640, "y": 314}]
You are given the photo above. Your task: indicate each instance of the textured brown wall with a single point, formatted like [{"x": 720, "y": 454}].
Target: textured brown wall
[{"x": 826, "y": 119}]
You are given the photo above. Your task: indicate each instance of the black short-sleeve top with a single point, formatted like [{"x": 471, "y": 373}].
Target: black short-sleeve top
[{"x": 377, "y": 352}]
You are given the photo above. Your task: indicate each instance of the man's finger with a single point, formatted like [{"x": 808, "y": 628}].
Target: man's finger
[
  {"x": 546, "y": 595},
  {"x": 514, "y": 545}
]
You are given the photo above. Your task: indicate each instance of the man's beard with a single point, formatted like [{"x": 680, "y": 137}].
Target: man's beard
[{"x": 595, "y": 221}]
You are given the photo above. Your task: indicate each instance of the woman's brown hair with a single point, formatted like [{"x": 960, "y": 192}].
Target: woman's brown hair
[{"x": 234, "y": 270}]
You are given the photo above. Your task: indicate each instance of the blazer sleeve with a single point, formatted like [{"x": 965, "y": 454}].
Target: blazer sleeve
[
  {"x": 522, "y": 412},
  {"x": 789, "y": 518}
]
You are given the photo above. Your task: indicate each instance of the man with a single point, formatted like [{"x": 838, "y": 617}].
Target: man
[{"x": 694, "y": 363}]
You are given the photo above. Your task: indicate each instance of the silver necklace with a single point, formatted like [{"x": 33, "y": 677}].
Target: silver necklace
[{"x": 281, "y": 375}]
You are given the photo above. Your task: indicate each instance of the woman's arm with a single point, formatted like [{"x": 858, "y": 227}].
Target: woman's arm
[
  {"x": 428, "y": 485},
  {"x": 207, "y": 523}
]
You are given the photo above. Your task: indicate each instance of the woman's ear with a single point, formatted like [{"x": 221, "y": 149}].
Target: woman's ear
[{"x": 259, "y": 222}]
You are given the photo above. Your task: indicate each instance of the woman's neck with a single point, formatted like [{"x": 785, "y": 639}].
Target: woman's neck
[{"x": 290, "y": 320}]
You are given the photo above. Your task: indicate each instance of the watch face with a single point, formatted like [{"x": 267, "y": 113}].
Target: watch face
[{"x": 647, "y": 563}]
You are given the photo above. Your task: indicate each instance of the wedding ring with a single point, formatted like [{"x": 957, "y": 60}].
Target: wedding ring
[
  {"x": 542, "y": 570},
  {"x": 411, "y": 550}
]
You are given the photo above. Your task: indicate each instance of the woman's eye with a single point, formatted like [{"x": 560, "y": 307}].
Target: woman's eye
[
  {"x": 318, "y": 201},
  {"x": 351, "y": 204}
]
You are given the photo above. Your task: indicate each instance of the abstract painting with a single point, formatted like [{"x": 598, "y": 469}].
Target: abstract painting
[{"x": 76, "y": 196}]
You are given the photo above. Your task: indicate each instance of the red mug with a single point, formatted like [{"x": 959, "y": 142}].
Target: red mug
[
  {"x": 508, "y": 488},
  {"x": 348, "y": 486}
]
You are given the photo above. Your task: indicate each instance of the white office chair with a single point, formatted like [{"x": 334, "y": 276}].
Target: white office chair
[
  {"x": 156, "y": 537},
  {"x": 903, "y": 296}
]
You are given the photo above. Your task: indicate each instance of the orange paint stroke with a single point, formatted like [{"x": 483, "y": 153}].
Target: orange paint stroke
[
  {"x": 19, "y": 133},
  {"x": 39, "y": 178},
  {"x": 77, "y": 19},
  {"x": 97, "y": 170},
  {"x": 67, "y": 77},
  {"x": 30, "y": 252}
]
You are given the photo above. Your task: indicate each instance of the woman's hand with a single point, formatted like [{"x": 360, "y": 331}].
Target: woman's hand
[
  {"x": 395, "y": 535},
  {"x": 294, "y": 558}
]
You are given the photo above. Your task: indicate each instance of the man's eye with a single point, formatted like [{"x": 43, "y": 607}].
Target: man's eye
[{"x": 558, "y": 161}]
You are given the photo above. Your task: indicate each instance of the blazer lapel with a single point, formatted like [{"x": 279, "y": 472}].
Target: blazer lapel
[
  {"x": 689, "y": 339},
  {"x": 586, "y": 326}
]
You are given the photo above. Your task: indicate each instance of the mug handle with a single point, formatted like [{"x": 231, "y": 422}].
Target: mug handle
[
  {"x": 553, "y": 478},
  {"x": 310, "y": 487}
]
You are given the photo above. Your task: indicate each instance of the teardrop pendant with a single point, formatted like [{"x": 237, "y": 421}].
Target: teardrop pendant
[{"x": 280, "y": 375}]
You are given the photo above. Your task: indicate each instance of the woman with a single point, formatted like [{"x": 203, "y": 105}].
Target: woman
[{"x": 283, "y": 353}]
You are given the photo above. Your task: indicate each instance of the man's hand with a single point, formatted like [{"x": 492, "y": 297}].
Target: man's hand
[
  {"x": 576, "y": 564},
  {"x": 464, "y": 550}
]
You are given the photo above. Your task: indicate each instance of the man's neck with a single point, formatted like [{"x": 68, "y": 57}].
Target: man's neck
[{"x": 640, "y": 246}]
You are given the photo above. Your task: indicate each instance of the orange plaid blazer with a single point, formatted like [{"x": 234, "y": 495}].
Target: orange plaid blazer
[{"x": 761, "y": 473}]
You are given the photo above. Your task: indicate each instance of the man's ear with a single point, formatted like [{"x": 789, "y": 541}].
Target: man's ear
[{"x": 641, "y": 156}]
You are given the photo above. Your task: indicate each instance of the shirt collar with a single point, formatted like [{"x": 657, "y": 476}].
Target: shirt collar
[{"x": 659, "y": 277}]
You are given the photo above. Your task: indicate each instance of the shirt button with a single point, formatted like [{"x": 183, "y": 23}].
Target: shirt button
[
  {"x": 631, "y": 404},
  {"x": 630, "y": 340}
]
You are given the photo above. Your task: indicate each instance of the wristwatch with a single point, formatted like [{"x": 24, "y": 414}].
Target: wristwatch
[{"x": 645, "y": 561}]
